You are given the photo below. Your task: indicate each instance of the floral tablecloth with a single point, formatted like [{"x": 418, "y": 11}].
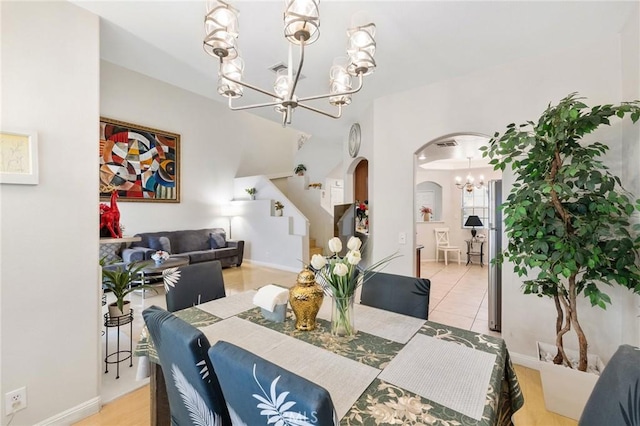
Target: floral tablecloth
[{"x": 385, "y": 403}]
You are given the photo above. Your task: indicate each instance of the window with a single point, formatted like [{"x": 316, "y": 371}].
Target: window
[{"x": 476, "y": 203}]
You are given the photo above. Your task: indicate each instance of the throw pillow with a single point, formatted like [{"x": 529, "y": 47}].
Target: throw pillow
[
  {"x": 218, "y": 240},
  {"x": 110, "y": 252},
  {"x": 160, "y": 243}
]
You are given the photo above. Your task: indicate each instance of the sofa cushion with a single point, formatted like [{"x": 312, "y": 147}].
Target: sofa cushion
[
  {"x": 225, "y": 252},
  {"x": 218, "y": 239},
  {"x": 188, "y": 241},
  {"x": 201, "y": 256},
  {"x": 160, "y": 243}
]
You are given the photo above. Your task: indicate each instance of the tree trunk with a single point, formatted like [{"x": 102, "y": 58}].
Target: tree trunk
[
  {"x": 563, "y": 331},
  {"x": 582, "y": 339},
  {"x": 559, "y": 320}
]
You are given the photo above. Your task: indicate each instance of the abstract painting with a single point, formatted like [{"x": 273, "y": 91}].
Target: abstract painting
[{"x": 141, "y": 163}]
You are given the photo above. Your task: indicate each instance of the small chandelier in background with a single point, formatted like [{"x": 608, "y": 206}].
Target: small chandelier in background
[
  {"x": 301, "y": 27},
  {"x": 469, "y": 185}
]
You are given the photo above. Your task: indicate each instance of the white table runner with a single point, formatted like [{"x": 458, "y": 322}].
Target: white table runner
[
  {"x": 386, "y": 324},
  {"x": 344, "y": 378},
  {"x": 229, "y": 306},
  {"x": 444, "y": 372}
]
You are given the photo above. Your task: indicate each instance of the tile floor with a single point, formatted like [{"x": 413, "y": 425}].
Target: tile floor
[
  {"x": 458, "y": 295},
  {"x": 458, "y": 298}
]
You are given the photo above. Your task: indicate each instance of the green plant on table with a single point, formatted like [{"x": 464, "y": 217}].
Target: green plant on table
[
  {"x": 119, "y": 281},
  {"x": 300, "y": 169},
  {"x": 567, "y": 217},
  {"x": 278, "y": 205},
  {"x": 251, "y": 191}
]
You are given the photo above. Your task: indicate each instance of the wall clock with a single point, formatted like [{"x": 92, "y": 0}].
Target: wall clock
[{"x": 354, "y": 139}]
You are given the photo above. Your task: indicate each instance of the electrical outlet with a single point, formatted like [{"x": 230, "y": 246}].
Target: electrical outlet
[
  {"x": 402, "y": 238},
  {"x": 15, "y": 400}
]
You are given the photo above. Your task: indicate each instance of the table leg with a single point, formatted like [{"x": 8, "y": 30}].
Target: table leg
[{"x": 160, "y": 412}]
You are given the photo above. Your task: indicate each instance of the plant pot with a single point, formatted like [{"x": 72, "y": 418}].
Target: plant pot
[
  {"x": 426, "y": 217},
  {"x": 279, "y": 212},
  {"x": 300, "y": 173},
  {"x": 342, "y": 319},
  {"x": 115, "y": 312},
  {"x": 565, "y": 389},
  {"x": 252, "y": 197}
]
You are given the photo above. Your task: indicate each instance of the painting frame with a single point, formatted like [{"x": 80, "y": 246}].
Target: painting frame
[
  {"x": 19, "y": 157},
  {"x": 141, "y": 163}
]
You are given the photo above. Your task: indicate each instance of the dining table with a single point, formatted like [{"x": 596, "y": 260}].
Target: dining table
[{"x": 396, "y": 369}]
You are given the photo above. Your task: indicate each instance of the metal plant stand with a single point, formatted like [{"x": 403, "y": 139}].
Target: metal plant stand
[{"x": 119, "y": 355}]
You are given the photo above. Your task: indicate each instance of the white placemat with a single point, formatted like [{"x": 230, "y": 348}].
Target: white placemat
[
  {"x": 229, "y": 306},
  {"x": 444, "y": 372},
  {"x": 386, "y": 324},
  {"x": 344, "y": 378}
]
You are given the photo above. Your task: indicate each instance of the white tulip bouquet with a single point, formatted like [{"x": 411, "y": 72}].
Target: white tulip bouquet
[{"x": 340, "y": 277}]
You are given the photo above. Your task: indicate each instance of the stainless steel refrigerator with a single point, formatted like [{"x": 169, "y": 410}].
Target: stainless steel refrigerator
[{"x": 495, "y": 246}]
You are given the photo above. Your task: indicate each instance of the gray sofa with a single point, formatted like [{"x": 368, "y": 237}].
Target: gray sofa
[{"x": 200, "y": 245}]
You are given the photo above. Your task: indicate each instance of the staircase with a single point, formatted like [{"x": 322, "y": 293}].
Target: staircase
[{"x": 313, "y": 249}]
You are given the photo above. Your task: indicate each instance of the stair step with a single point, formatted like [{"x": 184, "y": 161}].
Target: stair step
[{"x": 315, "y": 250}]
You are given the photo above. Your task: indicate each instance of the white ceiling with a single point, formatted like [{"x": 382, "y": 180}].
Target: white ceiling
[{"x": 418, "y": 43}]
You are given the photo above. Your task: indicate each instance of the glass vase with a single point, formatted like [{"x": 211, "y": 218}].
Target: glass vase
[{"x": 342, "y": 319}]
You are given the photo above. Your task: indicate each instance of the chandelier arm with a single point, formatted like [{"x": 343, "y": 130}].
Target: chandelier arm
[
  {"x": 322, "y": 112},
  {"x": 247, "y": 85},
  {"x": 243, "y": 107},
  {"x": 295, "y": 81},
  {"x": 330, "y": 95}
]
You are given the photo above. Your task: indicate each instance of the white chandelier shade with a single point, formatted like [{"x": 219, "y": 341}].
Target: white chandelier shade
[
  {"x": 469, "y": 185},
  {"x": 301, "y": 28}
]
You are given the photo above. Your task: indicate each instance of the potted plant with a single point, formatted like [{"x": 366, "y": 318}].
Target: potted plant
[
  {"x": 119, "y": 281},
  {"x": 300, "y": 169},
  {"x": 426, "y": 213},
  {"x": 278, "y": 207},
  {"x": 566, "y": 217},
  {"x": 251, "y": 192}
]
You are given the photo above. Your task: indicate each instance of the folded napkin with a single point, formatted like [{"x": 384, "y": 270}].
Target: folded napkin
[{"x": 269, "y": 296}]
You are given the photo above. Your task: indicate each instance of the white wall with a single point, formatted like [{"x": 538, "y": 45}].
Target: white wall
[
  {"x": 484, "y": 102},
  {"x": 49, "y": 246},
  {"x": 216, "y": 146},
  {"x": 630, "y": 153}
]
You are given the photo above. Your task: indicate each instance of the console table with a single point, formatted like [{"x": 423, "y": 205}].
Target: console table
[{"x": 475, "y": 248}]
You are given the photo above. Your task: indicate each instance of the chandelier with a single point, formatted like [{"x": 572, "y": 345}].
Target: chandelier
[
  {"x": 302, "y": 28},
  {"x": 469, "y": 185}
]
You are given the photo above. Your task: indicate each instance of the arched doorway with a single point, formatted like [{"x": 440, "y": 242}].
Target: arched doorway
[
  {"x": 361, "y": 181},
  {"x": 459, "y": 293}
]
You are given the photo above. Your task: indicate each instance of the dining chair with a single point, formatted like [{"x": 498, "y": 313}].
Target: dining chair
[
  {"x": 443, "y": 245},
  {"x": 260, "y": 392},
  {"x": 396, "y": 293},
  {"x": 192, "y": 285},
  {"x": 615, "y": 399},
  {"x": 193, "y": 389}
]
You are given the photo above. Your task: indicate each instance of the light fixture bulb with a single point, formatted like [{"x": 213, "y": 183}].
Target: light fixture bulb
[
  {"x": 361, "y": 49},
  {"x": 232, "y": 68},
  {"x": 221, "y": 28},
  {"x": 301, "y": 21},
  {"x": 339, "y": 82}
]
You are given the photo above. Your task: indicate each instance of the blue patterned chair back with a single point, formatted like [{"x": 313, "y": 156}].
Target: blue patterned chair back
[
  {"x": 259, "y": 392},
  {"x": 193, "y": 284},
  {"x": 396, "y": 293},
  {"x": 615, "y": 399},
  {"x": 195, "y": 397}
]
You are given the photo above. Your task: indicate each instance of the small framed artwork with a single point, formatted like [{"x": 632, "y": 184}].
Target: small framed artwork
[
  {"x": 19, "y": 157},
  {"x": 140, "y": 163}
]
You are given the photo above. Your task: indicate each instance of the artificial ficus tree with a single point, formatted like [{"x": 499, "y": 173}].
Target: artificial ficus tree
[{"x": 567, "y": 218}]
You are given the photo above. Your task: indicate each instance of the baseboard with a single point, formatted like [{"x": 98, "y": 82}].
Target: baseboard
[
  {"x": 273, "y": 265},
  {"x": 74, "y": 414},
  {"x": 525, "y": 360}
]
